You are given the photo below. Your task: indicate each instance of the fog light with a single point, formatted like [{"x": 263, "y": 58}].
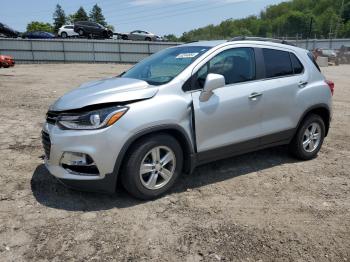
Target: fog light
[
  {"x": 79, "y": 164},
  {"x": 75, "y": 159}
]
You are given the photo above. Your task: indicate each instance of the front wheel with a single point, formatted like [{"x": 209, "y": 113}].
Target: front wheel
[
  {"x": 309, "y": 138},
  {"x": 152, "y": 166}
]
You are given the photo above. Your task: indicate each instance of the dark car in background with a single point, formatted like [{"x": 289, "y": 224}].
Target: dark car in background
[
  {"x": 38, "y": 35},
  {"x": 7, "y": 31},
  {"x": 92, "y": 29}
]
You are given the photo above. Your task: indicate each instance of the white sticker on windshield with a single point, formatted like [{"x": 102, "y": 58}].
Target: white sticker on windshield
[{"x": 186, "y": 55}]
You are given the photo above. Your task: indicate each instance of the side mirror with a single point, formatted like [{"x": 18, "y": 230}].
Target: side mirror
[{"x": 212, "y": 82}]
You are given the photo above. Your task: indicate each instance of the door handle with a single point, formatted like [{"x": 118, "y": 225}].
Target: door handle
[
  {"x": 302, "y": 84},
  {"x": 255, "y": 95}
]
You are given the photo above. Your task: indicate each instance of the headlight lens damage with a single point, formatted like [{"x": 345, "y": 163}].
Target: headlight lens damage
[{"x": 96, "y": 119}]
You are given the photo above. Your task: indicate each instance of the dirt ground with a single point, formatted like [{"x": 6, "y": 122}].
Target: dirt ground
[{"x": 263, "y": 206}]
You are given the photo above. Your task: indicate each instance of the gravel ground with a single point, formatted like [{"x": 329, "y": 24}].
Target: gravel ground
[{"x": 262, "y": 206}]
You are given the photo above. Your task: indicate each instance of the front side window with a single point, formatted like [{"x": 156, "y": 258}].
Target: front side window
[
  {"x": 236, "y": 65},
  {"x": 165, "y": 65},
  {"x": 277, "y": 63}
]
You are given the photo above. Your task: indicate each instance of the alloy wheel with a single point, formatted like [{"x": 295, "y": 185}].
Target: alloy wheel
[
  {"x": 157, "y": 167},
  {"x": 312, "y": 137}
]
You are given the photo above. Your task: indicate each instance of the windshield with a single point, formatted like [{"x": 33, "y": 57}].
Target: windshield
[{"x": 165, "y": 65}]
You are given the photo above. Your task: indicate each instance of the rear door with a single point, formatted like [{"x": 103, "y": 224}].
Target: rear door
[
  {"x": 97, "y": 29},
  {"x": 284, "y": 77},
  {"x": 138, "y": 35},
  {"x": 231, "y": 116}
]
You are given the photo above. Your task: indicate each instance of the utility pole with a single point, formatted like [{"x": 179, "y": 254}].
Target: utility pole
[
  {"x": 310, "y": 27},
  {"x": 330, "y": 30}
]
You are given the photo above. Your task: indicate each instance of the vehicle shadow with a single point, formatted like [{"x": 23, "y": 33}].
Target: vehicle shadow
[{"x": 50, "y": 192}]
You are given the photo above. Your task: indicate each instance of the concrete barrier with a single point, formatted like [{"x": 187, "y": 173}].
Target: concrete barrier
[{"x": 79, "y": 50}]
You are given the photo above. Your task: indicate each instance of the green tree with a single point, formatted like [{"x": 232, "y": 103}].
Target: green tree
[
  {"x": 59, "y": 17},
  {"x": 285, "y": 19},
  {"x": 110, "y": 27},
  {"x": 97, "y": 16},
  {"x": 326, "y": 23},
  {"x": 39, "y": 26},
  {"x": 70, "y": 19},
  {"x": 346, "y": 12},
  {"x": 80, "y": 15},
  {"x": 296, "y": 22},
  {"x": 171, "y": 38}
]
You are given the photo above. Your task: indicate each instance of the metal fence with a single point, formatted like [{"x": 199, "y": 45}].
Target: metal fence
[
  {"x": 108, "y": 51},
  {"x": 311, "y": 44},
  {"x": 79, "y": 50}
]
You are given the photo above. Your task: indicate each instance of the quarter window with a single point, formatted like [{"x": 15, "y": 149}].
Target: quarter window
[
  {"x": 277, "y": 63},
  {"x": 297, "y": 65},
  {"x": 236, "y": 65},
  {"x": 312, "y": 58}
]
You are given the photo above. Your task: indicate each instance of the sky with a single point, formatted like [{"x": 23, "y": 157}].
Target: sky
[{"x": 158, "y": 16}]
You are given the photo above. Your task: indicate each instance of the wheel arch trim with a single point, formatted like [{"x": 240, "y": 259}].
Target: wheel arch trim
[
  {"x": 189, "y": 161},
  {"x": 313, "y": 108}
]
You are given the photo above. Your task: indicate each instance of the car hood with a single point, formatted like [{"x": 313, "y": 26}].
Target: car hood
[{"x": 110, "y": 90}]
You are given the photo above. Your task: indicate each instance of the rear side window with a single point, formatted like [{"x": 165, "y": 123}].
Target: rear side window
[
  {"x": 69, "y": 27},
  {"x": 297, "y": 65},
  {"x": 277, "y": 63}
]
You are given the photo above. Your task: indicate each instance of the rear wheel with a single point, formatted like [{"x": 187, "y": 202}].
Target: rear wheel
[
  {"x": 124, "y": 37},
  {"x": 309, "y": 138},
  {"x": 81, "y": 32},
  {"x": 64, "y": 35},
  {"x": 148, "y": 39},
  {"x": 152, "y": 166}
]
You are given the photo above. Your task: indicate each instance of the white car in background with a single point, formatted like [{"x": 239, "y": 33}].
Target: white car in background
[
  {"x": 139, "y": 35},
  {"x": 67, "y": 31}
]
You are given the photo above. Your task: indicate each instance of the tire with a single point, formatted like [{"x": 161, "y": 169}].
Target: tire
[
  {"x": 148, "y": 39},
  {"x": 141, "y": 153},
  {"x": 300, "y": 146},
  {"x": 64, "y": 35},
  {"x": 107, "y": 34},
  {"x": 81, "y": 32},
  {"x": 124, "y": 37}
]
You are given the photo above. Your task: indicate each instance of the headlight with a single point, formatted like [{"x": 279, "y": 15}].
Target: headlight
[{"x": 92, "y": 120}]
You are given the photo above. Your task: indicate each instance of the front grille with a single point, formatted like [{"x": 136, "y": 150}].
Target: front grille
[
  {"x": 45, "y": 138},
  {"x": 51, "y": 117}
]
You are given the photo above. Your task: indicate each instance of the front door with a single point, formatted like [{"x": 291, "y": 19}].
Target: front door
[{"x": 231, "y": 119}]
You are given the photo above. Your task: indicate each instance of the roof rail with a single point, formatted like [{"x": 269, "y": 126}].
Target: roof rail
[{"x": 253, "y": 38}]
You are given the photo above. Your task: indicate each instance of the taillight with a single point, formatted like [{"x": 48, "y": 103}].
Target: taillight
[{"x": 330, "y": 85}]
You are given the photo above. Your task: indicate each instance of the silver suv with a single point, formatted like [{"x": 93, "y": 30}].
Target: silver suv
[{"x": 185, "y": 106}]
